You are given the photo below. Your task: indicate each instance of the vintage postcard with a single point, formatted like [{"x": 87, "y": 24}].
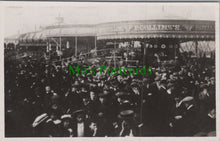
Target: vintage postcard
[{"x": 131, "y": 70}]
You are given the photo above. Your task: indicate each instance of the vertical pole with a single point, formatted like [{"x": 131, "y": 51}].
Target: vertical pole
[
  {"x": 95, "y": 43},
  {"x": 142, "y": 87},
  {"x": 174, "y": 45},
  {"x": 60, "y": 43},
  {"x": 196, "y": 43},
  {"x": 76, "y": 46},
  {"x": 60, "y": 48},
  {"x": 145, "y": 53},
  {"x": 114, "y": 54},
  {"x": 15, "y": 46},
  {"x": 49, "y": 49},
  {"x": 127, "y": 54}
]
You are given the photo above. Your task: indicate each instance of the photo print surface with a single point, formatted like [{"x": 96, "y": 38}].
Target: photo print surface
[{"x": 110, "y": 69}]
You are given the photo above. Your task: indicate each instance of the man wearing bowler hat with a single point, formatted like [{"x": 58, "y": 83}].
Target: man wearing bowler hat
[
  {"x": 105, "y": 114},
  {"x": 81, "y": 125},
  {"x": 128, "y": 125},
  {"x": 190, "y": 117}
]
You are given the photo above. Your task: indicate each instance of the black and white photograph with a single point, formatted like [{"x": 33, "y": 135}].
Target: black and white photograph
[{"x": 110, "y": 69}]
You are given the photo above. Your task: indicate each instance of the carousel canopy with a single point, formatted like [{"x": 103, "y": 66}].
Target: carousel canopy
[
  {"x": 12, "y": 39},
  {"x": 33, "y": 36},
  {"x": 70, "y": 30},
  {"x": 143, "y": 29},
  {"x": 180, "y": 29},
  {"x": 57, "y": 31}
]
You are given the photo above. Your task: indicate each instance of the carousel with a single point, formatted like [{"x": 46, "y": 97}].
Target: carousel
[
  {"x": 163, "y": 39},
  {"x": 132, "y": 42}
]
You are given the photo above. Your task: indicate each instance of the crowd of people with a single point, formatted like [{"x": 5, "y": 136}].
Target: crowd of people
[{"x": 43, "y": 100}]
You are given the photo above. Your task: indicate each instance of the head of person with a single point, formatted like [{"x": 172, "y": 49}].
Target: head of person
[
  {"x": 66, "y": 121},
  {"x": 73, "y": 89},
  {"x": 92, "y": 95},
  {"x": 119, "y": 78},
  {"x": 189, "y": 73},
  {"x": 212, "y": 81},
  {"x": 102, "y": 99},
  {"x": 187, "y": 101},
  {"x": 203, "y": 93},
  {"x": 93, "y": 125},
  {"x": 79, "y": 115},
  {"x": 85, "y": 99},
  {"x": 127, "y": 116},
  {"x": 80, "y": 118},
  {"x": 146, "y": 81},
  {"x": 47, "y": 89},
  {"x": 163, "y": 83},
  {"x": 170, "y": 86},
  {"x": 121, "y": 96},
  {"x": 103, "y": 96},
  {"x": 157, "y": 79},
  {"x": 136, "y": 89},
  {"x": 54, "y": 114}
]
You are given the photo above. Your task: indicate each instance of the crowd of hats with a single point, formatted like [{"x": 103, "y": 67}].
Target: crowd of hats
[{"x": 41, "y": 91}]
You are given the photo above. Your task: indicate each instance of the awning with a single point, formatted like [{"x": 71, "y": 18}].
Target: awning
[
  {"x": 158, "y": 36},
  {"x": 32, "y": 36},
  {"x": 58, "y": 31},
  {"x": 145, "y": 29}
]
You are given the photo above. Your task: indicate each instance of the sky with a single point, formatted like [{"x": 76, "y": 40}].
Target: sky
[{"x": 28, "y": 17}]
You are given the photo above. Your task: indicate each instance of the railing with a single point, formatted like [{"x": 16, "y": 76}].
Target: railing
[{"x": 81, "y": 55}]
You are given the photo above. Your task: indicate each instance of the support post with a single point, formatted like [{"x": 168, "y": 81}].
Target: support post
[
  {"x": 60, "y": 48},
  {"x": 76, "y": 46},
  {"x": 95, "y": 43},
  {"x": 174, "y": 46},
  {"x": 114, "y": 54},
  {"x": 142, "y": 87},
  {"x": 196, "y": 43},
  {"x": 145, "y": 53}
]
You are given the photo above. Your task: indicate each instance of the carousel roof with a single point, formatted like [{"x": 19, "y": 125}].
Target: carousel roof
[
  {"x": 12, "y": 39},
  {"x": 57, "y": 31},
  {"x": 140, "y": 29},
  {"x": 33, "y": 36},
  {"x": 179, "y": 29}
]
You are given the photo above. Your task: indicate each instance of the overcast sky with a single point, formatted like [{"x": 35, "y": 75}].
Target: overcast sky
[{"x": 25, "y": 17}]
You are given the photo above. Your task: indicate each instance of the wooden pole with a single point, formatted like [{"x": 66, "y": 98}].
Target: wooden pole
[
  {"x": 95, "y": 46},
  {"x": 114, "y": 54},
  {"x": 196, "y": 42},
  {"x": 174, "y": 45},
  {"x": 95, "y": 43},
  {"x": 60, "y": 48},
  {"x": 76, "y": 46},
  {"x": 145, "y": 53},
  {"x": 142, "y": 87}
]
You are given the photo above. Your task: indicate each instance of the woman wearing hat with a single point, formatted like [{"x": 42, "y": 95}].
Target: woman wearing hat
[
  {"x": 66, "y": 129},
  {"x": 128, "y": 124}
]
